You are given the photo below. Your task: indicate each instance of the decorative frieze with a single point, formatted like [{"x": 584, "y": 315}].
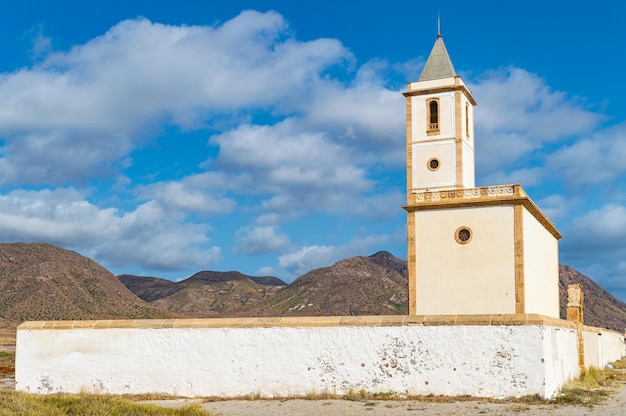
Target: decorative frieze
[{"x": 469, "y": 194}]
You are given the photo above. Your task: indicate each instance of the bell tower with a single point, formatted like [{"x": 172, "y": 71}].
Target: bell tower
[
  {"x": 479, "y": 251},
  {"x": 440, "y": 127}
]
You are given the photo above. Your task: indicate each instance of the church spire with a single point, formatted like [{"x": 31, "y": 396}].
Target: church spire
[{"x": 438, "y": 64}]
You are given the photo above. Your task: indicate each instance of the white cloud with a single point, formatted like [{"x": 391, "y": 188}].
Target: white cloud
[
  {"x": 608, "y": 274},
  {"x": 145, "y": 237},
  {"x": 307, "y": 258},
  {"x": 78, "y": 115},
  {"x": 265, "y": 271},
  {"x": 61, "y": 215},
  {"x": 196, "y": 194},
  {"x": 57, "y": 158},
  {"x": 41, "y": 45},
  {"x": 380, "y": 206},
  {"x": 597, "y": 234},
  {"x": 260, "y": 240},
  {"x": 598, "y": 159},
  {"x": 556, "y": 206},
  {"x": 594, "y": 244},
  {"x": 103, "y": 98},
  {"x": 518, "y": 113},
  {"x": 294, "y": 169},
  {"x": 525, "y": 176},
  {"x": 365, "y": 116}
]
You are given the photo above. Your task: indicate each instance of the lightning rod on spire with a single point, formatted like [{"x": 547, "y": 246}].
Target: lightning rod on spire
[{"x": 438, "y": 24}]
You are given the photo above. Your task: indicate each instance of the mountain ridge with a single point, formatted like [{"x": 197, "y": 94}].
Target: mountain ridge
[
  {"x": 352, "y": 287},
  {"x": 43, "y": 282},
  {"x": 205, "y": 293}
]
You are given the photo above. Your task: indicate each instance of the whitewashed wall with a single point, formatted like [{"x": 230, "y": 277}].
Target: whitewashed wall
[
  {"x": 602, "y": 346},
  {"x": 561, "y": 357},
  {"x": 204, "y": 359}
]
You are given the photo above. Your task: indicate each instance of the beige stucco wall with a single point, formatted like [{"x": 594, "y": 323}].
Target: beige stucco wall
[
  {"x": 423, "y": 177},
  {"x": 434, "y": 83},
  {"x": 541, "y": 268},
  {"x": 468, "y": 166},
  {"x": 447, "y": 124},
  {"x": 473, "y": 278}
]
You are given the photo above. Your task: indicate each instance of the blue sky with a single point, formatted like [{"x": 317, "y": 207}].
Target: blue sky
[{"x": 163, "y": 138}]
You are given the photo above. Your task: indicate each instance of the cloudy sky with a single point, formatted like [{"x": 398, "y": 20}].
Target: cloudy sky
[{"x": 163, "y": 138}]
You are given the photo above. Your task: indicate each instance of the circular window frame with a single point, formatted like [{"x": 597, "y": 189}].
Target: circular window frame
[
  {"x": 462, "y": 240},
  {"x": 431, "y": 160}
]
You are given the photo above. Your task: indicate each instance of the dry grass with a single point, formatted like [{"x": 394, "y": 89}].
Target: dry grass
[
  {"x": 620, "y": 365},
  {"x": 593, "y": 385},
  {"x": 7, "y": 363},
  {"x": 14, "y": 403}
]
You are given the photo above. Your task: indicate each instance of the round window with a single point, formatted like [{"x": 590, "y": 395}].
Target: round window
[
  {"x": 433, "y": 164},
  {"x": 463, "y": 235}
]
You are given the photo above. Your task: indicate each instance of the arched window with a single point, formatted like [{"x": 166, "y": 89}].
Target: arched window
[{"x": 433, "y": 116}]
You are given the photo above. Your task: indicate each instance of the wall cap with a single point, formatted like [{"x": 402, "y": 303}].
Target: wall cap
[{"x": 309, "y": 321}]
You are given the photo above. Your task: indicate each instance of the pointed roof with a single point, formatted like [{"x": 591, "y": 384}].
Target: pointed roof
[{"x": 438, "y": 64}]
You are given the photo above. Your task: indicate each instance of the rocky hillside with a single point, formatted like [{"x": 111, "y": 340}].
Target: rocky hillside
[
  {"x": 7, "y": 334},
  {"x": 44, "y": 282},
  {"x": 601, "y": 308},
  {"x": 356, "y": 286},
  {"x": 374, "y": 285},
  {"x": 206, "y": 293}
]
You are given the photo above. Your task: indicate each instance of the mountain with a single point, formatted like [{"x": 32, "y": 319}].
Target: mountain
[
  {"x": 374, "y": 285},
  {"x": 388, "y": 260},
  {"x": 149, "y": 288},
  {"x": 356, "y": 286},
  {"x": 44, "y": 282},
  {"x": 206, "y": 293},
  {"x": 601, "y": 308}
]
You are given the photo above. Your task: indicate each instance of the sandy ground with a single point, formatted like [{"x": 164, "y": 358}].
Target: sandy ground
[{"x": 614, "y": 406}]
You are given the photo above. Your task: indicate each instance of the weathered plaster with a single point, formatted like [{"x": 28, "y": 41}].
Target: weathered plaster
[
  {"x": 601, "y": 346},
  {"x": 209, "y": 358}
]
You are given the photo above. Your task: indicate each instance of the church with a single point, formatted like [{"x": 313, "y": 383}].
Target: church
[
  {"x": 483, "y": 302},
  {"x": 486, "y": 250}
]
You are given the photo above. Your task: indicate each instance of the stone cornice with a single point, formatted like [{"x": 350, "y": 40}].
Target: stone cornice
[
  {"x": 474, "y": 197},
  {"x": 438, "y": 90}
]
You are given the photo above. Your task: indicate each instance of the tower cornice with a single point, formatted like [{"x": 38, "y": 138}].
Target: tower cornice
[
  {"x": 438, "y": 90},
  {"x": 475, "y": 197},
  {"x": 438, "y": 86}
]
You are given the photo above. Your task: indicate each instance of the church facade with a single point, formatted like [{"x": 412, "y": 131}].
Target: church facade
[{"x": 471, "y": 250}]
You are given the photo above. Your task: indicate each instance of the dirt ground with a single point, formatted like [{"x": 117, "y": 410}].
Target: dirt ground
[
  {"x": 7, "y": 334},
  {"x": 615, "y": 405}
]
